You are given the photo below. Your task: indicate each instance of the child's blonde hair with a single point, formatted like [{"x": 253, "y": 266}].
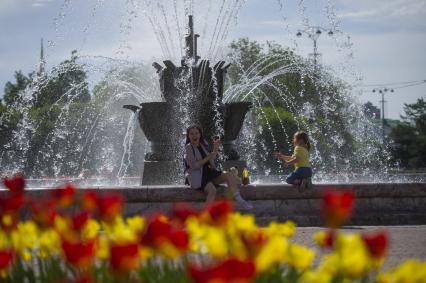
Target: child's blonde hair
[{"x": 304, "y": 137}]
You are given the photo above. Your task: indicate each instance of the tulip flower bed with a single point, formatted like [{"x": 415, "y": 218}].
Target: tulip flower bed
[{"x": 80, "y": 236}]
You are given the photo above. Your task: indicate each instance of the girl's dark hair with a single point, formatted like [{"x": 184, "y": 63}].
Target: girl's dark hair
[
  {"x": 304, "y": 137},
  {"x": 202, "y": 141}
]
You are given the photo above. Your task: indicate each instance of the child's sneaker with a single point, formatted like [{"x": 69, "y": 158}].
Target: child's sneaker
[{"x": 240, "y": 203}]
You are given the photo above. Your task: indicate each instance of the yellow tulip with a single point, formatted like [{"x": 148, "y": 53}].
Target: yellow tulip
[
  {"x": 24, "y": 238},
  {"x": 3, "y": 240},
  {"x": 102, "y": 248},
  {"x": 300, "y": 257},
  {"x": 123, "y": 234},
  {"x": 355, "y": 264},
  {"x": 354, "y": 257},
  {"x": 62, "y": 225},
  {"x": 317, "y": 276},
  {"x": 215, "y": 242},
  {"x": 7, "y": 220},
  {"x": 286, "y": 229},
  {"x": 169, "y": 250},
  {"x": 242, "y": 223},
  {"x": 136, "y": 223},
  {"x": 411, "y": 271},
  {"x": 203, "y": 238},
  {"x": 329, "y": 264},
  {"x": 49, "y": 243},
  {"x": 384, "y": 277},
  {"x": 90, "y": 230},
  {"x": 273, "y": 252}
]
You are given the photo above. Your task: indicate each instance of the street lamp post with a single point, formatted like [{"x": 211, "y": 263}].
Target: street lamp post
[
  {"x": 314, "y": 33},
  {"x": 383, "y": 91}
]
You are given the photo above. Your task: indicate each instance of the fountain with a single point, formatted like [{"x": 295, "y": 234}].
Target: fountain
[
  {"x": 283, "y": 88},
  {"x": 192, "y": 94}
]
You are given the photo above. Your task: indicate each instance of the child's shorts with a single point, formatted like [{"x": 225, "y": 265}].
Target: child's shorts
[{"x": 298, "y": 174}]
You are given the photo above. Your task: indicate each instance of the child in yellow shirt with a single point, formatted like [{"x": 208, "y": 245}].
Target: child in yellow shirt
[{"x": 300, "y": 159}]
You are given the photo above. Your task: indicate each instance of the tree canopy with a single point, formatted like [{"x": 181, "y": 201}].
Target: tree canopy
[
  {"x": 409, "y": 137},
  {"x": 289, "y": 94}
]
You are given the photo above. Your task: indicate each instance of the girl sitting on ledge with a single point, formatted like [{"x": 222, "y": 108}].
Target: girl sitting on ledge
[
  {"x": 301, "y": 176},
  {"x": 201, "y": 173}
]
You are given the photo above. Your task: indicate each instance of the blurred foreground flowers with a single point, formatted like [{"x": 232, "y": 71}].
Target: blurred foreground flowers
[{"x": 71, "y": 235}]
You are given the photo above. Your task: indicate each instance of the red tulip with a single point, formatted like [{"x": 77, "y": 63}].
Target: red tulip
[
  {"x": 16, "y": 184},
  {"x": 124, "y": 258},
  {"x": 157, "y": 232},
  {"x": 11, "y": 203},
  {"x": 64, "y": 196},
  {"x": 43, "y": 212},
  {"x": 79, "y": 254},
  {"x": 8, "y": 222},
  {"x": 182, "y": 211},
  {"x": 219, "y": 211},
  {"x": 254, "y": 241},
  {"x": 110, "y": 206},
  {"x": 180, "y": 239},
  {"x": 231, "y": 270},
  {"x": 89, "y": 201},
  {"x": 84, "y": 279},
  {"x": 377, "y": 243},
  {"x": 79, "y": 220},
  {"x": 337, "y": 207},
  {"x": 6, "y": 258},
  {"x": 330, "y": 238}
]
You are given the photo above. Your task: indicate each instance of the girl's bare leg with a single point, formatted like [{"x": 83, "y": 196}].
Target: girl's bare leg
[
  {"x": 210, "y": 189},
  {"x": 232, "y": 183},
  {"x": 229, "y": 179}
]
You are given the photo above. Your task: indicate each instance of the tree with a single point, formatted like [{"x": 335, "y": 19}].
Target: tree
[
  {"x": 61, "y": 118},
  {"x": 289, "y": 94},
  {"x": 13, "y": 91},
  {"x": 11, "y": 114},
  {"x": 38, "y": 111},
  {"x": 409, "y": 137}
]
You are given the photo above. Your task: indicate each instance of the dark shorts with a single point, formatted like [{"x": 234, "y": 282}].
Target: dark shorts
[
  {"x": 208, "y": 176},
  {"x": 299, "y": 174}
]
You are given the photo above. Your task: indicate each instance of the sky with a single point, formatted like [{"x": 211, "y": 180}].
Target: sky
[{"x": 376, "y": 41}]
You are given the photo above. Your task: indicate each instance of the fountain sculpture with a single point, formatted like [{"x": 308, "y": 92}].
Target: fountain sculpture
[{"x": 192, "y": 94}]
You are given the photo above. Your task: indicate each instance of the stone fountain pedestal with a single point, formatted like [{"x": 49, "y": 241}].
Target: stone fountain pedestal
[
  {"x": 162, "y": 172},
  {"x": 192, "y": 93},
  {"x": 163, "y": 165}
]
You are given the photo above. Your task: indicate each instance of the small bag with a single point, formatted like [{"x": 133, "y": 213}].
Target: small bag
[{"x": 186, "y": 168}]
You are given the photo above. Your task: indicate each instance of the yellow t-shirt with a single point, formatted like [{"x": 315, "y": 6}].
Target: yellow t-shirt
[{"x": 302, "y": 155}]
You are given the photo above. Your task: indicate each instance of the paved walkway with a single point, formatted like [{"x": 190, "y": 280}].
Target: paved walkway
[{"x": 405, "y": 241}]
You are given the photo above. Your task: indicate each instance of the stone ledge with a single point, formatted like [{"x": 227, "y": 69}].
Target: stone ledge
[
  {"x": 259, "y": 192},
  {"x": 377, "y": 204}
]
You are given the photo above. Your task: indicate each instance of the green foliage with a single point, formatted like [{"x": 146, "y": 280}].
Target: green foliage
[
  {"x": 272, "y": 136},
  {"x": 32, "y": 110},
  {"x": 68, "y": 84},
  {"x": 304, "y": 98},
  {"x": 10, "y": 114},
  {"x": 409, "y": 137},
  {"x": 164, "y": 273},
  {"x": 12, "y": 91}
]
